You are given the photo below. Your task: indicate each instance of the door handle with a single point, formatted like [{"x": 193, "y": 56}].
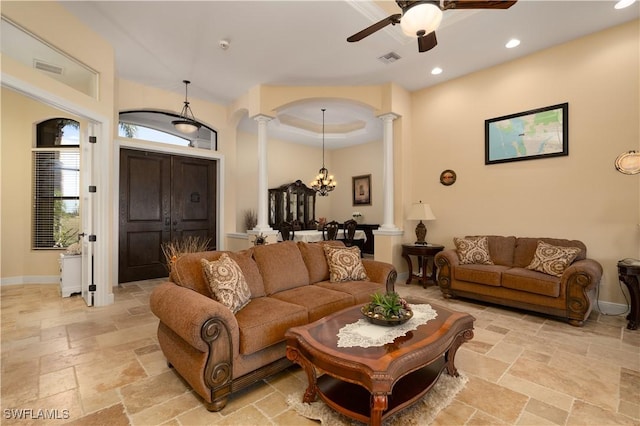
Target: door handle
[{"x": 167, "y": 221}]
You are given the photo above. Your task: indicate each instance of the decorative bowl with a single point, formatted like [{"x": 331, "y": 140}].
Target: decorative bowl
[{"x": 381, "y": 320}]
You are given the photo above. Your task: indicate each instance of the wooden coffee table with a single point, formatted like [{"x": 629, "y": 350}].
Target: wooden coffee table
[{"x": 370, "y": 384}]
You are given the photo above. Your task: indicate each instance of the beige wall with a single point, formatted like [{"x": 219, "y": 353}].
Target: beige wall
[
  {"x": 18, "y": 137},
  {"x": 580, "y": 196},
  {"x": 51, "y": 22},
  {"x": 71, "y": 36},
  {"x": 288, "y": 162},
  {"x": 365, "y": 159},
  {"x": 135, "y": 96}
]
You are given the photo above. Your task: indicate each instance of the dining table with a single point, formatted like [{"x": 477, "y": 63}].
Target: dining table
[{"x": 313, "y": 236}]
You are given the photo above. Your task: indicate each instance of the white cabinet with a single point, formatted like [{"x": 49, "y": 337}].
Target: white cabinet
[{"x": 70, "y": 274}]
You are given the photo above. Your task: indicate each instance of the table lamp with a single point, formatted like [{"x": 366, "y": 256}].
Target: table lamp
[{"x": 420, "y": 211}]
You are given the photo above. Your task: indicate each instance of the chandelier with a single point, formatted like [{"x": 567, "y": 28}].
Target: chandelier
[
  {"x": 323, "y": 184},
  {"x": 187, "y": 122}
]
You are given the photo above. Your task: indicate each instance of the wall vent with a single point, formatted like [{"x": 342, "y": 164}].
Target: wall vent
[
  {"x": 389, "y": 58},
  {"x": 43, "y": 66}
]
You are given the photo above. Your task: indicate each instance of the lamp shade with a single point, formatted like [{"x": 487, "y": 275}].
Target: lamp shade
[
  {"x": 420, "y": 211},
  {"x": 185, "y": 126},
  {"x": 423, "y": 16}
]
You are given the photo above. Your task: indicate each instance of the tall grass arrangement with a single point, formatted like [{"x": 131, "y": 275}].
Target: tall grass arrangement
[
  {"x": 174, "y": 249},
  {"x": 250, "y": 219}
]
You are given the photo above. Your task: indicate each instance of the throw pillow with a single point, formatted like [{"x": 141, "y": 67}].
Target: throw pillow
[
  {"x": 227, "y": 282},
  {"x": 552, "y": 260},
  {"x": 344, "y": 264},
  {"x": 473, "y": 250}
]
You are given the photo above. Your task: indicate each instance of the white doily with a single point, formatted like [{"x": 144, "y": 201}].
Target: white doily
[{"x": 364, "y": 334}]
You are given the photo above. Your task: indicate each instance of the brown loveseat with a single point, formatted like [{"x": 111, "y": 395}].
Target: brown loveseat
[
  {"x": 218, "y": 352},
  {"x": 508, "y": 281}
]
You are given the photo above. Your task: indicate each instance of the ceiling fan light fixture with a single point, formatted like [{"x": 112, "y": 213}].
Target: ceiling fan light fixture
[
  {"x": 186, "y": 123},
  {"x": 422, "y": 16}
]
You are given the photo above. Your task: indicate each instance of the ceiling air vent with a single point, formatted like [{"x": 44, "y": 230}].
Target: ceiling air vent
[
  {"x": 389, "y": 58},
  {"x": 43, "y": 66}
]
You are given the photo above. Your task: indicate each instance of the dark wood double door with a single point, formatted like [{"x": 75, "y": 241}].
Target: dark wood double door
[{"x": 163, "y": 198}]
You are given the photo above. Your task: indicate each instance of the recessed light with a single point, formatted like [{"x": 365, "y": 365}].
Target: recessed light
[
  {"x": 514, "y": 42},
  {"x": 436, "y": 71},
  {"x": 624, "y": 3}
]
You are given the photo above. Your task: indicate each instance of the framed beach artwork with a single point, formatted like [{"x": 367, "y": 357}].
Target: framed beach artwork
[
  {"x": 361, "y": 190},
  {"x": 529, "y": 135}
]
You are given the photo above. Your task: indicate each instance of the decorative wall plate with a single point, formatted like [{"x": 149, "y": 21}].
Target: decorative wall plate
[
  {"x": 448, "y": 177},
  {"x": 628, "y": 163}
]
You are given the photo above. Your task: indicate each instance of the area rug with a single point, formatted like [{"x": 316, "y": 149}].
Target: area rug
[{"x": 421, "y": 413}]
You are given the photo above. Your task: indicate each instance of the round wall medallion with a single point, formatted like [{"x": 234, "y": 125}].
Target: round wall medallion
[
  {"x": 628, "y": 163},
  {"x": 448, "y": 177}
]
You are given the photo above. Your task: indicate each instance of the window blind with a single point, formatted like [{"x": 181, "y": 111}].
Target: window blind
[{"x": 56, "y": 198}]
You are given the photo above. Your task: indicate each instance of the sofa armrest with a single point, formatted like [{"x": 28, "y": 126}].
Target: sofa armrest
[
  {"x": 449, "y": 256},
  {"x": 580, "y": 279},
  {"x": 585, "y": 267},
  {"x": 444, "y": 261},
  {"x": 186, "y": 312},
  {"x": 381, "y": 272}
]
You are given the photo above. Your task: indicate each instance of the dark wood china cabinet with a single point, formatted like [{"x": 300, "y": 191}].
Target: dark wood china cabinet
[{"x": 292, "y": 202}]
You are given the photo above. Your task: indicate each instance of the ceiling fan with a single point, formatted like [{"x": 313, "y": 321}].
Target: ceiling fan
[{"x": 421, "y": 18}]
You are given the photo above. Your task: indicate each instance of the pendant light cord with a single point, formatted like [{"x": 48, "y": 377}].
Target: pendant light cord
[{"x": 186, "y": 88}]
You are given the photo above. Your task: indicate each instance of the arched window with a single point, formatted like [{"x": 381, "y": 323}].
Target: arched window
[
  {"x": 56, "y": 184},
  {"x": 156, "y": 126}
]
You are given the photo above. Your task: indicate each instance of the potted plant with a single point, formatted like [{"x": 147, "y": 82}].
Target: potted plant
[{"x": 387, "y": 309}]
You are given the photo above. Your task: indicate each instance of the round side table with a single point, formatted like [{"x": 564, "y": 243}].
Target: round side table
[{"x": 425, "y": 255}]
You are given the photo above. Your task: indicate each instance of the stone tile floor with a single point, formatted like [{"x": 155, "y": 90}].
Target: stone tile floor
[{"x": 73, "y": 364}]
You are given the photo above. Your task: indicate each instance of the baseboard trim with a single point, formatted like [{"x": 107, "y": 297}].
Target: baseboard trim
[
  {"x": 610, "y": 308},
  {"x": 30, "y": 279},
  {"x": 402, "y": 277}
]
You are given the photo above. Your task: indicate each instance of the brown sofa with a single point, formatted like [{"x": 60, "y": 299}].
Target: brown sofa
[
  {"x": 218, "y": 352},
  {"x": 508, "y": 282}
]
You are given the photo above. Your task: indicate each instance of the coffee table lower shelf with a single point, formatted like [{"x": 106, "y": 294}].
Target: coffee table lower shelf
[{"x": 354, "y": 400}]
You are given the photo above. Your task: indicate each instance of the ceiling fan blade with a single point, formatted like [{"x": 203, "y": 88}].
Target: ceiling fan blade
[
  {"x": 427, "y": 42},
  {"x": 477, "y": 4},
  {"x": 393, "y": 20}
]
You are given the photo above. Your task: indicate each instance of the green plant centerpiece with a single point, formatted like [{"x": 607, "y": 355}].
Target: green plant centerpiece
[{"x": 387, "y": 309}]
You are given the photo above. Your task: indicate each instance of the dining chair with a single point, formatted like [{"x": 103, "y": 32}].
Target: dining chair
[
  {"x": 313, "y": 224},
  {"x": 349, "y": 232},
  {"x": 287, "y": 231},
  {"x": 330, "y": 231},
  {"x": 296, "y": 225}
]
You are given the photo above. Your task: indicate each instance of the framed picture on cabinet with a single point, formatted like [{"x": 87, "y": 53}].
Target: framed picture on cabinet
[{"x": 361, "y": 187}]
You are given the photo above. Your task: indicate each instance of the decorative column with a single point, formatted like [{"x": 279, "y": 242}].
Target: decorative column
[
  {"x": 388, "y": 221},
  {"x": 388, "y": 238},
  {"x": 263, "y": 180}
]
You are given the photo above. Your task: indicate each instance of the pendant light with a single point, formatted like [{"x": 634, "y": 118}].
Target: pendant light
[
  {"x": 187, "y": 122},
  {"x": 323, "y": 183}
]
